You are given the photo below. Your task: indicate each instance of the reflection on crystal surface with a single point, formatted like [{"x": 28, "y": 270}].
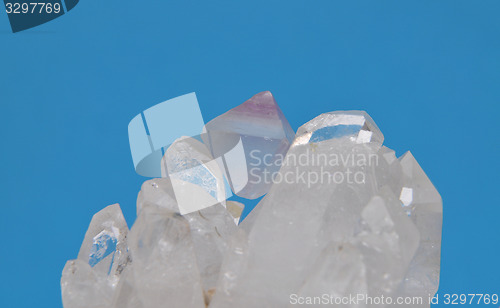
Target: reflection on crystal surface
[
  {"x": 357, "y": 125},
  {"x": 91, "y": 280},
  {"x": 331, "y": 132},
  {"x": 406, "y": 196},
  {"x": 104, "y": 245}
]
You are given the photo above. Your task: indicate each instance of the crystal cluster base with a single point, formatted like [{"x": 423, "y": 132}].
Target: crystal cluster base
[{"x": 343, "y": 216}]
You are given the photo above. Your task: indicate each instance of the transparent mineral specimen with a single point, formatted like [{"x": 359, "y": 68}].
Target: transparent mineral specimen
[
  {"x": 343, "y": 216},
  {"x": 101, "y": 260},
  {"x": 424, "y": 207},
  {"x": 126, "y": 295},
  {"x": 196, "y": 178},
  {"x": 338, "y": 220},
  {"x": 82, "y": 287},
  {"x": 358, "y": 126},
  {"x": 164, "y": 262},
  {"x": 210, "y": 228},
  {"x": 157, "y": 193},
  {"x": 250, "y": 139}
]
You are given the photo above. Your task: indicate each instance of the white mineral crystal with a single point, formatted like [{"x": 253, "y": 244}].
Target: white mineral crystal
[
  {"x": 197, "y": 181},
  {"x": 343, "y": 216},
  {"x": 163, "y": 260},
  {"x": 341, "y": 228},
  {"x": 90, "y": 281},
  {"x": 211, "y": 230},
  {"x": 157, "y": 193}
]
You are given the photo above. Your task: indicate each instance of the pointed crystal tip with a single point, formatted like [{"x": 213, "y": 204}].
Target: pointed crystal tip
[
  {"x": 249, "y": 141},
  {"x": 355, "y": 125}
]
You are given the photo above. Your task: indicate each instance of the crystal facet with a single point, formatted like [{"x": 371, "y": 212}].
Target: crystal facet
[
  {"x": 250, "y": 139},
  {"x": 357, "y": 125},
  {"x": 193, "y": 173},
  {"x": 210, "y": 228},
  {"x": 101, "y": 260},
  {"x": 164, "y": 262},
  {"x": 82, "y": 287},
  {"x": 345, "y": 224},
  {"x": 157, "y": 193}
]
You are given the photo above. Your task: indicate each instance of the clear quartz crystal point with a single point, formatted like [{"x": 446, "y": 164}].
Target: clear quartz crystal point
[
  {"x": 157, "y": 193},
  {"x": 230, "y": 273},
  {"x": 210, "y": 228},
  {"x": 388, "y": 242},
  {"x": 196, "y": 178},
  {"x": 126, "y": 295},
  {"x": 82, "y": 287},
  {"x": 249, "y": 141},
  {"x": 425, "y": 208},
  {"x": 102, "y": 258},
  {"x": 164, "y": 262},
  {"x": 357, "y": 125},
  {"x": 350, "y": 226},
  {"x": 105, "y": 243}
]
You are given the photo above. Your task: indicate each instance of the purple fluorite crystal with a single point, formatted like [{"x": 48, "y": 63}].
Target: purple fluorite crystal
[{"x": 251, "y": 141}]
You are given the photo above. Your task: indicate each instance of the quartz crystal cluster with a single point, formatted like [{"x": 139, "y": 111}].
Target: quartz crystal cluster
[{"x": 343, "y": 216}]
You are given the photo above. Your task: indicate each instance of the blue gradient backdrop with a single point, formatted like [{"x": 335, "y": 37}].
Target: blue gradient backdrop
[{"x": 428, "y": 72}]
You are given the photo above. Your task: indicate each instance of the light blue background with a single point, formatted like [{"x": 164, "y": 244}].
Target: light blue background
[{"x": 428, "y": 72}]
